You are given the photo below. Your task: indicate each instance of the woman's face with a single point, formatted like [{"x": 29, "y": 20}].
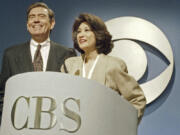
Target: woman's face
[{"x": 86, "y": 38}]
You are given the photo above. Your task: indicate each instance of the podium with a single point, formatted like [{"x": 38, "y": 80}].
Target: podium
[{"x": 51, "y": 103}]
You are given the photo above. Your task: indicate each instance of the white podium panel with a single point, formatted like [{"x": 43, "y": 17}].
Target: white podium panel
[{"x": 50, "y": 103}]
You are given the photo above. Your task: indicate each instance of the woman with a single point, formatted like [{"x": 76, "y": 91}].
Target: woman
[{"x": 93, "y": 41}]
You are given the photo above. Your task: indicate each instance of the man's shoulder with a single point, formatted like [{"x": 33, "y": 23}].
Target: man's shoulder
[
  {"x": 61, "y": 49},
  {"x": 16, "y": 48},
  {"x": 58, "y": 46}
]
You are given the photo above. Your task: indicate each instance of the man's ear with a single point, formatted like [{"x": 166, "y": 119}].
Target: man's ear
[
  {"x": 52, "y": 23},
  {"x": 27, "y": 26}
]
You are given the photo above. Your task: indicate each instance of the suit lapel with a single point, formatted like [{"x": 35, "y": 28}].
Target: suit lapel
[
  {"x": 100, "y": 70},
  {"x": 79, "y": 65},
  {"x": 25, "y": 61},
  {"x": 53, "y": 59}
]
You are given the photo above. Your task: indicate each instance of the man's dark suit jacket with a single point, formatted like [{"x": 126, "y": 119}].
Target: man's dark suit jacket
[{"x": 17, "y": 59}]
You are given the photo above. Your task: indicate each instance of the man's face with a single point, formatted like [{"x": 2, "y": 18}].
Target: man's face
[{"x": 39, "y": 23}]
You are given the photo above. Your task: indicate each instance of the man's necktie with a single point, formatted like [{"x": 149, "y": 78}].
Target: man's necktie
[{"x": 38, "y": 61}]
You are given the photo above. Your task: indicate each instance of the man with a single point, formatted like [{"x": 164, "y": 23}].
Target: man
[{"x": 39, "y": 54}]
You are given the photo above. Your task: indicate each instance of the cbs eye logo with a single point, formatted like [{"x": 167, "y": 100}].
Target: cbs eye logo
[{"x": 125, "y": 31}]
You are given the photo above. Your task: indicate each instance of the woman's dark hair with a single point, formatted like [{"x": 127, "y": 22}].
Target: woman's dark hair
[{"x": 103, "y": 37}]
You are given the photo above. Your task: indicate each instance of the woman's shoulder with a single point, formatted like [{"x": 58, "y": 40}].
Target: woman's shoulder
[
  {"x": 115, "y": 62},
  {"x": 73, "y": 59},
  {"x": 114, "y": 59}
]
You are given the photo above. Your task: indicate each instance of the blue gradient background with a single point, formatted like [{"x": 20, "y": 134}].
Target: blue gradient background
[{"x": 162, "y": 117}]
